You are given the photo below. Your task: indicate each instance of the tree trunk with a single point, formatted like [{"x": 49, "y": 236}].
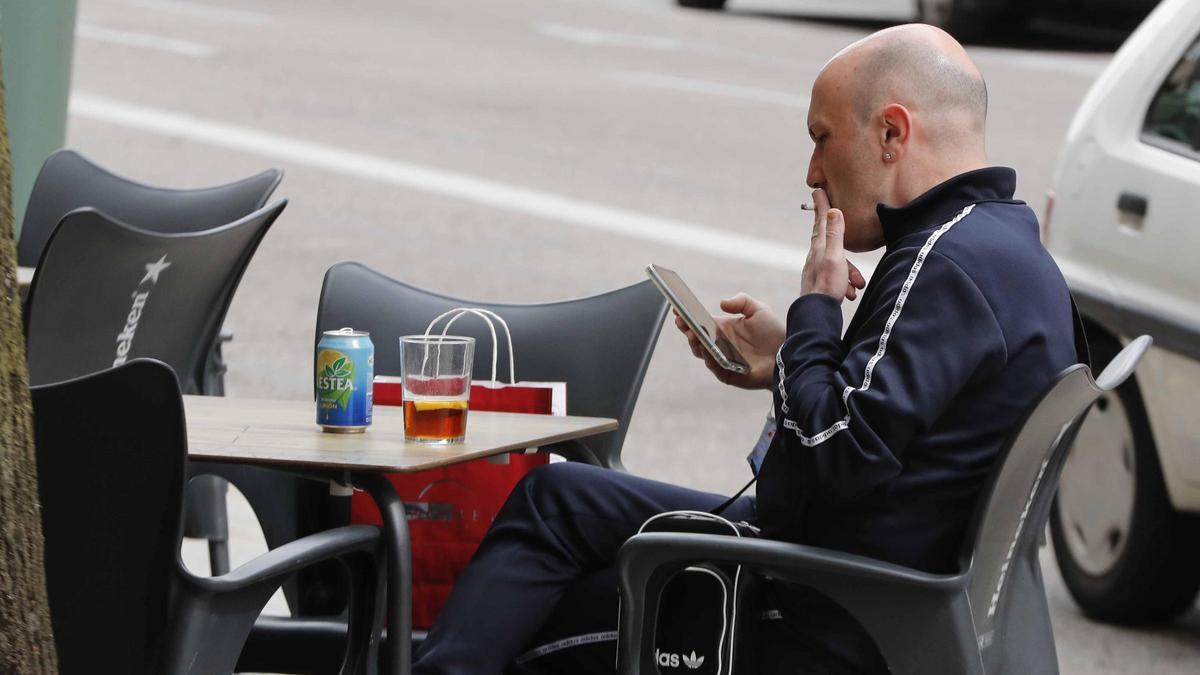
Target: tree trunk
[{"x": 26, "y": 637}]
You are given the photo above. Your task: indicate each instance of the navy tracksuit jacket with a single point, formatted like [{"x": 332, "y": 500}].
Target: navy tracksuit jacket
[
  {"x": 885, "y": 439},
  {"x": 886, "y": 435}
]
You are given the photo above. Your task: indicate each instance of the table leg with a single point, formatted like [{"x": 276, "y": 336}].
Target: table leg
[{"x": 398, "y": 650}]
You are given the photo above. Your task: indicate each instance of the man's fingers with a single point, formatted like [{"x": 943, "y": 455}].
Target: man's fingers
[
  {"x": 857, "y": 279},
  {"x": 699, "y": 352},
  {"x": 835, "y": 230},
  {"x": 816, "y": 248},
  {"x": 716, "y": 369},
  {"x": 680, "y": 323},
  {"x": 820, "y": 217},
  {"x": 820, "y": 200},
  {"x": 709, "y": 362},
  {"x": 693, "y": 341},
  {"x": 739, "y": 304},
  {"x": 851, "y": 292}
]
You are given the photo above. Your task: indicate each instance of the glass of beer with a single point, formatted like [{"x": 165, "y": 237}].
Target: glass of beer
[{"x": 437, "y": 386}]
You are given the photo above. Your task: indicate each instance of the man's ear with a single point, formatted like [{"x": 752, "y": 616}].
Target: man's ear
[{"x": 895, "y": 132}]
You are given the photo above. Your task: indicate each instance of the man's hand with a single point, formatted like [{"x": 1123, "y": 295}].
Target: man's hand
[
  {"x": 756, "y": 333},
  {"x": 826, "y": 269}
]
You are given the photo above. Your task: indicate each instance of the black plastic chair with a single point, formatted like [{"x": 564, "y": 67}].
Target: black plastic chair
[
  {"x": 69, "y": 181},
  {"x": 991, "y": 617},
  {"x": 105, "y": 292},
  {"x": 112, "y": 453},
  {"x": 599, "y": 345}
]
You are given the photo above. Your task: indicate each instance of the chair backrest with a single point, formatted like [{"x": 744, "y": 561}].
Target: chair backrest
[
  {"x": 68, "y": 181},
  {"x": 105, "y": 292},
  {"x": 599, "y": 345},
  {"x": 1008, "y": 525},
  {"x": 111, "y": 449}
]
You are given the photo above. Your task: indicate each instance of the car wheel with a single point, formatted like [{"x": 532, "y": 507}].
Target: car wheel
[
  {"x": 702, "y": 4},
  {"x": 1125, "y": 554},
  {"x": 965, "y": 24}
]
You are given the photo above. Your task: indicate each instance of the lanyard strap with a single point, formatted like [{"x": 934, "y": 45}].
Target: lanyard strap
[{"x": 729, "y": 502}]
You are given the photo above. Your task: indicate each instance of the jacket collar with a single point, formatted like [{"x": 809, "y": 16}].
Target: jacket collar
[{"x": 942, "y": 201}]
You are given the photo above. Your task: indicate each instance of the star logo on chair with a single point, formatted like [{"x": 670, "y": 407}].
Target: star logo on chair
[{"x": 154, "y": 269}]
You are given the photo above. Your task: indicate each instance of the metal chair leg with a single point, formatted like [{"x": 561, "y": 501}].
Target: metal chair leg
[{"x": 218, "y": 557}]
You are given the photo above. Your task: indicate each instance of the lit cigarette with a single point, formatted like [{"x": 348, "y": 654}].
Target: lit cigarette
[{"x": 807, "y": 207}]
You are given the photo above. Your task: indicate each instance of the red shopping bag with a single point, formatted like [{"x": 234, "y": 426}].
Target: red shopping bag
[{"x": 450, "y": 509}]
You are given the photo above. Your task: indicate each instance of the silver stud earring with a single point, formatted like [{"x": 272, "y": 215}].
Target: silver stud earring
[{"x": 887, "y": 156}]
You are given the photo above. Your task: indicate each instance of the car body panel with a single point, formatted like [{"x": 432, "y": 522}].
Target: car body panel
[
  {"x": 1140, "y": 275},
  {"x": 1122, "y": 7},
  {"x": 1166, "y": 402},
  {"x": 910, "y": 10}
]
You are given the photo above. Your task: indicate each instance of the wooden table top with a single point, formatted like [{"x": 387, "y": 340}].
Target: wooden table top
[
  {"x": 24, "y": 276},
  {"x": 256, "y": 431}
]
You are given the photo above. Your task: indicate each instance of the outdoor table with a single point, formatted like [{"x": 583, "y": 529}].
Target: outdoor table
[
  {"x": 284, "y": 435},
  {"x": 24, "y": 276}
]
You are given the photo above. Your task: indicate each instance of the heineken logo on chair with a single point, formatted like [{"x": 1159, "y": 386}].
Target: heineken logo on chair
[{"x": 140, "y": 295}]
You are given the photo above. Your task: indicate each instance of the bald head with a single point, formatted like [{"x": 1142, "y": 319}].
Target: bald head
[
  {"x": 891, "y": 116},
  {"x": 920, "y": 67}
]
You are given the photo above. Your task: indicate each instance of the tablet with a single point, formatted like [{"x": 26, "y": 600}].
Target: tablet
[{"x": 697, "y": 318}]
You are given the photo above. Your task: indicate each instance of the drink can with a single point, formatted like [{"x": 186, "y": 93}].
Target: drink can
[{"x": 345, "y": 368}]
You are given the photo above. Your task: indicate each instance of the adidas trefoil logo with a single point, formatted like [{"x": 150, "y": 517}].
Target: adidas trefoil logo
[{"x": 669, "y": 660}]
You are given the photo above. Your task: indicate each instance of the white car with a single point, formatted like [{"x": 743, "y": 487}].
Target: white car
[
  {"x": 1122, "y": 221},
  {"x": 968, "y": 19}
]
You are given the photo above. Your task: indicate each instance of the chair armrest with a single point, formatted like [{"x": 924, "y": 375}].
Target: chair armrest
[
  {"x": 292, "y": 557},
  {"x": 214, "y": 616},
  {"x": 284, "y": 644},
  {"x": 1121, "y": 367},
  {"x": 921, "y": 622},
  {"x": 212, "y": 378}
]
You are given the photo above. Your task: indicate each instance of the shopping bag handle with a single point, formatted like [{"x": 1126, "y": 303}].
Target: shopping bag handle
[{"x": 487, "y": 315}]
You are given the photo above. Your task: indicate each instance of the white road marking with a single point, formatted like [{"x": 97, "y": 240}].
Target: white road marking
[
  {"x": 591, "y": 37},
  {"x": 485, "y": 192},
  {"x": 144, "y": 41},
  {"x": 1082, "y": 65},
  {"x": 712, "y": 88},
  {"x": 192, "y": 9}
]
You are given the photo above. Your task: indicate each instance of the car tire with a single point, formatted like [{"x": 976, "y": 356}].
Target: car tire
[
  {"x": 968, "y": 25},
  {"x": 1149, "y": 573},
  {"x": 702, "y": 4}
]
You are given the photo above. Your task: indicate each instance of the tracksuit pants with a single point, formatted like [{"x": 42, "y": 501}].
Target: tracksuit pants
[{"x": 561, "y": 527}]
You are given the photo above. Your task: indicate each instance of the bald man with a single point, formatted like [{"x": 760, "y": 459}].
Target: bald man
[{"x": 885, "y": 434}]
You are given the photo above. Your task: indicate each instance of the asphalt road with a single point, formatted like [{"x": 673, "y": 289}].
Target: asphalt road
[{"x": 527, "y": 151}]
